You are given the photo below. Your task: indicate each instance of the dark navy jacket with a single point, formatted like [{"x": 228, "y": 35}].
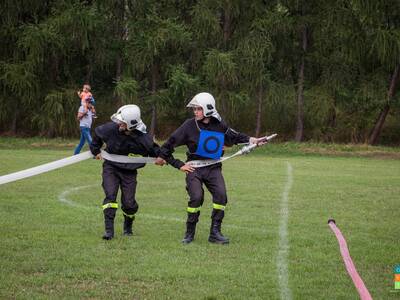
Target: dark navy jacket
[
  {"x": 188, "y": 134},
  {"x": 117, "y": 142}
]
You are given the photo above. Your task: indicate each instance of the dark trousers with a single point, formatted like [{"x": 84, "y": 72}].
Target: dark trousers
[
  {"x": 212, "y": 178},
  {"x": 113, "y": 179}
]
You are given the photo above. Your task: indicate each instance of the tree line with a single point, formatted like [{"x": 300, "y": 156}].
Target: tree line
[{"x": 309, "y": 70}]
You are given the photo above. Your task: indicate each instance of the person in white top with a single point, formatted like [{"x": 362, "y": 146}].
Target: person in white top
[{"x": 85, "y": 117}]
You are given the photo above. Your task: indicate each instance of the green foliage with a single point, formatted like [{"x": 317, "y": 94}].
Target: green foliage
[
  {"x": 255, "y": 53},
  {"x": 220, "y": 68},
  {"x": 159, "y": 54},
  {"x": 55, "y": 113},
  {"x": 181, "y": 86},
  {"x": 39, "y": 42},
  {"x": 127, "y": 90},
  {"x": 205, "y": 23},
  {"x": 20, "y": 81},
  {"x": 149, "y": 46}
]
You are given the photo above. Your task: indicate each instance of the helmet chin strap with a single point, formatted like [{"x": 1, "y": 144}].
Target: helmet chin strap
[
  {"x": 202, "y": 119},
  {"x": 126, "y": 130}
]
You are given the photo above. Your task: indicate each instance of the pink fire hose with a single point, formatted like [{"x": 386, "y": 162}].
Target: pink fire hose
[{"x": 351, "y": 269}]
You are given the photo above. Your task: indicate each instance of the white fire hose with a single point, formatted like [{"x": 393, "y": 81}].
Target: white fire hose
[
  {"x": 69, "y": 161},
  {"x": 115, "y": 158}
]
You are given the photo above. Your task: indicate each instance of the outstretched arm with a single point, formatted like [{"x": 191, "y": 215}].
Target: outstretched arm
[
  {"x": 234, "y": 137},
  {"x": 97, "y": 143},
  {"x": 155, "y": 151},
  {"x": 177, "y": 138}
]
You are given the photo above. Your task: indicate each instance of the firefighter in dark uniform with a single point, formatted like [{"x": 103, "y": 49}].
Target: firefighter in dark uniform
[
  {"x": 126, "y": 135},
  {"x": 204, "y": 135}
]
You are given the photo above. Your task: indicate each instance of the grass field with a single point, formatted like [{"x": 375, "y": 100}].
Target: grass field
[{"x": 281, "y": 245}]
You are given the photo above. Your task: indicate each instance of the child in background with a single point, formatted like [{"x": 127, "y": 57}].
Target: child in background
[{"x": 87, "y": 100}]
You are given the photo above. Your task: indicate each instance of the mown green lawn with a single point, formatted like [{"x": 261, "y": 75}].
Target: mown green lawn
[{"x": 51, "y": 227}]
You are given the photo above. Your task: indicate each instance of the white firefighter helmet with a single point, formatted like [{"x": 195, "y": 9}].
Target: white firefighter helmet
[
  {"x": 207, "y": 102},
  {"x": 130, "y": 115}
]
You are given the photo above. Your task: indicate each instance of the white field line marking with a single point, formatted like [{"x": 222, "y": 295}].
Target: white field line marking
[
  {"x": 283, "y": 250},
  {"x": 64, "y": 198}
]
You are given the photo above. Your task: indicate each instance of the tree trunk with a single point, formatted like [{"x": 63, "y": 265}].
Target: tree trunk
[
  {"x": 154, "y": 79},
  {"x": 332, "y": 122},
  {"x": 226, "y": 31},
  {"x": 383, "y": 114},
  {"x": 55, "y": 68},
  {"x": 120, "y": 32},
  {"x": 51, "y": 132},
  {"x": 259, "y": 109},
  {"x": 13, "y": 127},
  {"x": 89, "y": 71},
  {"x": 153, "y": 119},
  {"x": 227, "y": 22},
  {"x": 300, "y": 90},
  {"x": 118, "y": 71}
]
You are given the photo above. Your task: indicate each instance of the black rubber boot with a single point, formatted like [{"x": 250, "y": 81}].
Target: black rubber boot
[
  {"x": 192, "y": 219},
  {"x": 109, "y": 232},
  {"x": 215, "y": 233},
  {"x": 190, "y": 231},
  {"x": 109, "y": 215},
  {"x": 128, "y": 225}
]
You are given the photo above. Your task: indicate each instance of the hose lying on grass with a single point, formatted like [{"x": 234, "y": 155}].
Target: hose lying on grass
[{"x": 351, "y": 269}]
